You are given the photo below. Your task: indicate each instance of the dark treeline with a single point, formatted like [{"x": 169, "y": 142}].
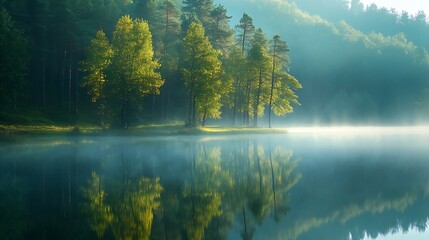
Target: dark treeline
[
  {"x": 357, "y": 64},
  {"x": 118, "y": 63}
]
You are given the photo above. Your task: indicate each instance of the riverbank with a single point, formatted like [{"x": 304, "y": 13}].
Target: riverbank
[{"x": 142, "y": 130}]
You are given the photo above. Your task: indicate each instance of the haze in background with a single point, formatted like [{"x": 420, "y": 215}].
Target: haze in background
[
  {"x": 358, "y": 65},
  {"x": 411, "y": 6}
]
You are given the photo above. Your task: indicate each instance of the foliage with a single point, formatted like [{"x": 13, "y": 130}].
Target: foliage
[
  {"x": 202, "y": 76},
  {"x": 100, "y": 55},
  {"x": 13, "y": 61},
  {"x": 133, "y": 72}
]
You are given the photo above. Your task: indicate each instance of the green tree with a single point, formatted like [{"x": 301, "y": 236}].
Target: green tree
[
  {"x": 284, "y": 94},
  {"x": 258, "y": 76},
  {"x": 234, "y": 66},
  {"x": 151, "y": 11},
  {"x": 100, "y": 54},
  {"x": 171, "y": 28},
  {"x": 13, "y": 60},
  {"x": 201, "y": 9},
  {"x": 220, "y": 33},
  {"x": 283, "y": 85},
  {"x": 245, "y": 30},
  {"x": 134, "y": 70},
  {"x": 170, "y": 42},
  {"x": 280, "y": 60},
  {"x": 202, "y": 75}
]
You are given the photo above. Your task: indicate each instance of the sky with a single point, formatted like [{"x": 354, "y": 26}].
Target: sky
[{"x": 411, "y": 6}]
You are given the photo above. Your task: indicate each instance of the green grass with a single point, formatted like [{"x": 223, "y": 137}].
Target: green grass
[
  {"x": 142, "y": 130},
  {"x": 239, "y": 130},
  {"x": 33, "y": 122}
]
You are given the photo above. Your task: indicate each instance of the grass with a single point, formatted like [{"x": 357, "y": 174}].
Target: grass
[
  {"x": 34, "y": 122},
  {"x": 239, "y": 130},
  {"x": 142, "y": 130}
]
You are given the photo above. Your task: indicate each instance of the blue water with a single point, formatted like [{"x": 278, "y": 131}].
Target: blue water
[{"x": 300, "y": 185}]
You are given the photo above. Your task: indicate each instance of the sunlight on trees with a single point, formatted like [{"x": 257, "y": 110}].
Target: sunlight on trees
[
  {"x": 130, "y": 68},
  {"x": 202, "y": 75}
]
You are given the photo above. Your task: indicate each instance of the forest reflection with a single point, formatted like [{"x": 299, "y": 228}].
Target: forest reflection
[
  {"x": 208, "y": 188},
  {"x": 218, "y": 188}
]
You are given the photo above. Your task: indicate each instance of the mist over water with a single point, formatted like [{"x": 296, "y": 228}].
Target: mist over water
[{"x": 325, "y": 184}]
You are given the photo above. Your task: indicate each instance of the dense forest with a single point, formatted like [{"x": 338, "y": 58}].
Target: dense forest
[
  {"x": 141, "y": 61},
  {"x": 118, "y": 63}
]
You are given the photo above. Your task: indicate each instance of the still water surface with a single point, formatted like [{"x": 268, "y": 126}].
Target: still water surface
[{"x": 302, "y": 185}]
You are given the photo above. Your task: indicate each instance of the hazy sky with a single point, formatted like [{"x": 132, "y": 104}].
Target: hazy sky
[{"x": 411, "y": 6}]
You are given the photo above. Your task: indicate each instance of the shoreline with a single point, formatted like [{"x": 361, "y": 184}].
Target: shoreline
[{"x": 144, "y": 130}]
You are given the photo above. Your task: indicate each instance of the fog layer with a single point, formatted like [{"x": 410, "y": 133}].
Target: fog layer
[{"x": 357, "y": 65}]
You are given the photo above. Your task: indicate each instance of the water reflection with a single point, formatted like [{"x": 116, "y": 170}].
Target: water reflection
[
  {"x": 215, "y": 187},
  {"x": 196, "y": 188}
]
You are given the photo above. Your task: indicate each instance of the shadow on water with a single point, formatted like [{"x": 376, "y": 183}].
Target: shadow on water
[{"x": 201, "y": 188}]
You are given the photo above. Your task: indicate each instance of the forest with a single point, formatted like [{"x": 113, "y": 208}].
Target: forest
[
  {"x": 129, "y": 62},
  {"x": 116, "y": 63}
]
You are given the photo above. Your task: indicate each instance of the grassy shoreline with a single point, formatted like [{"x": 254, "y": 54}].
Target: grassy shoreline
[{"x": 143, "y": 130}]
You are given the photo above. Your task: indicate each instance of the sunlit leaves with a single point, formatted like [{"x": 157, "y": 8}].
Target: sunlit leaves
[
  {"x": 134, "y": 66},
  {"x": 124, "y": 71},
  {"x": 100, "y": 54},
  {"x": 202, "y": 75}
]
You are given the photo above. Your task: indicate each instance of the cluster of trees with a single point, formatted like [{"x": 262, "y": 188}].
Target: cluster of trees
[
  {"x": 185, "y": 52},
  {"x": 358, "y": 65}
]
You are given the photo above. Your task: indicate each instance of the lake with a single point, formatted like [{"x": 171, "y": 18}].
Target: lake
[{"x": 360, "y": 183}]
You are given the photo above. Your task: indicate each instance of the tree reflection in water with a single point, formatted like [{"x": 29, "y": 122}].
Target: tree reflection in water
[{"x": 220, "y": 189}]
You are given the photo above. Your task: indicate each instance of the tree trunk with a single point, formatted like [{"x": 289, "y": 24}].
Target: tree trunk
[
  {"x": 247, "y": 109},
  {"x": 70, "y": 79},
  {"x": 191, "y": 93},
  {"x": 258, "y": 96},
  {"x": 204, "y": 118},
  {"x": 63, "y": 79},
  {"x": 44, "y": 86},
  {"x": 77, "y": 85},
  {"x": 194, "y": 112},
  {"x": 234, "y": 110},
  {"x": 14, "y": 99},
  {"x": 270, "y": 104}
]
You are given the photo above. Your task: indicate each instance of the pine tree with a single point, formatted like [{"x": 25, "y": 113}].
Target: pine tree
[
  {"x": 220, "y": 33},
  {"x": 283, "y": 85},
  {"x": 258, "y": 76},
  {"x": 201, "y": 9},
  {"x": 245, "y": 30}
]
